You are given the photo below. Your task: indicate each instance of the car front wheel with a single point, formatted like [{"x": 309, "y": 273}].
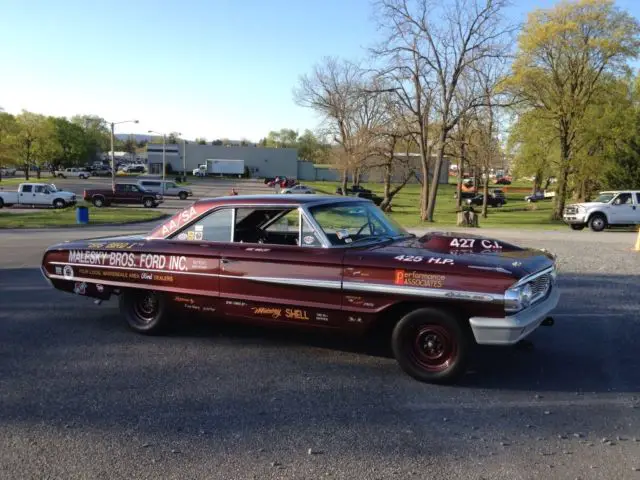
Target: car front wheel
[
  {"x": 98, "y": 202},
  {"x": 145, "y": 311},
  {"x": 148, "y": 202},
  {"x": 58, "y": 203},
  {"x": 183, "y": 195},
  {"x": 431, "y": 345},
  {"x": 598, "y": 222}
]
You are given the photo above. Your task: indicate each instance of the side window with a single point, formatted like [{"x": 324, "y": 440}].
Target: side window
[
  {"x": 289, "y": 223},
  {"x": 27, "y": 188},
  {"x": 121, "y": 188},
  {"x": 39, "y": 189},
  {"x": 638, "y": 198},
  {"x": 215, "y": 227},
  {"x": 309, "y": 236},
  {"x": 623, "y": 199},
  {"x": 270, "y": 225}
]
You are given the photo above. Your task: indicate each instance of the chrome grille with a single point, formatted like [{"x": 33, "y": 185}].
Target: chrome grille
[
  {"x": 540, "y": 287},
  {"x": 571, "y": 210}
]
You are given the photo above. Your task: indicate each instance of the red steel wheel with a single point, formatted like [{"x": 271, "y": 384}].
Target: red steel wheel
[{"x": 432, "y": 345}]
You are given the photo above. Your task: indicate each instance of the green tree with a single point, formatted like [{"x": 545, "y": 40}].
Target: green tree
[
  {"x": 562, "y": 56},
  {"x": 96, "y": 133},
  {"x": 73, "y": 146},
  {"x": 201, "y": 141},
  {"x": 33, "y": 140},
  {"x": 8, "y": 129}
]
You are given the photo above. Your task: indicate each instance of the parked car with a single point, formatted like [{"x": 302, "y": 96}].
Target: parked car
[
  {"x": 167, "y": 188},
  {"x": 503, "y": 181},
  {"x": 72, "y": 173},
  {"x": 464, "y": 195},
  {"x": 612, "y": 208},
  {"x": 282, "y": 182},
  {"x": 353, "y": 189},
  {"x": 124, "y": 194},
  {"x": 298, "y": 189},
  {"x": 101, "y": 171},
  {"x": 134, "y": 168},
  {"x": 319, "y": 263},
  {"x": 492, "y": 200},
  {"x": 37, "y": 194},
  {"x": 7, "y": 171}
]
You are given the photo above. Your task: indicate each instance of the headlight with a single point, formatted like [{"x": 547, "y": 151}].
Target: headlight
[
  {"x": 516, "y": 299},
  {"x": 158, "y": 196}
]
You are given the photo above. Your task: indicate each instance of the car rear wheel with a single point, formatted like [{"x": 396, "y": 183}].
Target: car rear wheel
[
  {"x": 183, "y": 195},
  {"x": 577, "y": 226},
  {"x": 431, "y": 345},
  {"x": 148, "y": 202},
  {"x": 145, "y": 311},
  {"x": 98, "y": 202},
  {"x": 597, "y": 222},
  {"x": 59, "y": 203}
]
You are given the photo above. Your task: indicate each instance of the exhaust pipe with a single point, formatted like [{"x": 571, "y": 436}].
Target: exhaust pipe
[{"x": 548, "y": 322}]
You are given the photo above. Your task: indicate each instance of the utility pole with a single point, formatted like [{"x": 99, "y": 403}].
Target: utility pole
[{"x": 113, "y": 153}]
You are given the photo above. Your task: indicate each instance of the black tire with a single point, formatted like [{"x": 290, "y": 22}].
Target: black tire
[
  {"x": 98, "y": 202},
  {"x": 431, "y": 346},
  {"x": 597, "y": 222},
  {"x": 148, "y": 202},
  {"x": 183, "y": 195},
  {"x": 577, "y": 226},
  {"x": 145, "y": 311},
  {"x": 82, "y": 177},
  {"x": 1, "y": 203},
  {"x": 59, "y": 203}
]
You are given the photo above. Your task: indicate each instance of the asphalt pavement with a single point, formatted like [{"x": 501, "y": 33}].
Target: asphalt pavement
[{"x": 83, "y": 397}]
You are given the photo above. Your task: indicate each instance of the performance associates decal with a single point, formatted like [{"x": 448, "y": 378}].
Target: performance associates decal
[{"x": 419, "y": 279}]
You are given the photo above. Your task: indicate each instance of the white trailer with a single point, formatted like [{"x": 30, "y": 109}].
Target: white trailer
[{"x": 219, "y": 166}]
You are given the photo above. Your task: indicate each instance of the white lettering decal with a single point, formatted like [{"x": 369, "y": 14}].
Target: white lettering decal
[
  {"x": 491, "y": 244},
  {"x": 441, "y": 261},
  {"x": 408, "y": 258},
  {"x": 463, "y": 242}
]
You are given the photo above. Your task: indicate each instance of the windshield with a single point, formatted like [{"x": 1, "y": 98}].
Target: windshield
[
  {"x": 51, "y": 187},
  {"x": 604, "y": 198},
  {"x": 348, "y": 223}
]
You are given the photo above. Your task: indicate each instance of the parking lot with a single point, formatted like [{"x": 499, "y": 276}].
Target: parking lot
[
  {"x": 201, "y": 187},
  {"x": 82, "y": 397}
]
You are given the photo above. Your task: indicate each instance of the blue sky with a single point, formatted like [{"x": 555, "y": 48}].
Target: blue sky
[{"x": 206, "y": 68}]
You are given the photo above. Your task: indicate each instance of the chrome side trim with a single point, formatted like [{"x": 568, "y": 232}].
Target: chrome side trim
[
  {"x": 299, "y": 282},
  {"x": 533, "y": 276},
  {"x": 137, "y": 269},
  {"x": 424, "y": 292}
]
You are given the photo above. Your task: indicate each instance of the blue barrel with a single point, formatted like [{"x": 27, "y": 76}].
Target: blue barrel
[{"x": 82, "y": 215}]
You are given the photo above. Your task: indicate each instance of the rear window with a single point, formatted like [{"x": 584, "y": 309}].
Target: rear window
[{"x": 150, "y": 184}]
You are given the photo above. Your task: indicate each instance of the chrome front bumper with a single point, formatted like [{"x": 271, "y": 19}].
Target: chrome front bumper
[
  {"x": 512, "y": 329},
  {"x": 578, "y": 218}
]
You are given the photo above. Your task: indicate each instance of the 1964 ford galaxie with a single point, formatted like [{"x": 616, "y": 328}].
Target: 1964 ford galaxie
[{"x": 320, "y": 262}]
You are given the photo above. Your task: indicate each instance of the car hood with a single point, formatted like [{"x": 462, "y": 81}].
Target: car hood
[
  {"x": 588, "y": 204},
  {"x": 466, "y": 252}
]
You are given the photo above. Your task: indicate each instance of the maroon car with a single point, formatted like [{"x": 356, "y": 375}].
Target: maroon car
[
  {"x": 124, "y": 194},
  {"x": 319, "y": 262}
]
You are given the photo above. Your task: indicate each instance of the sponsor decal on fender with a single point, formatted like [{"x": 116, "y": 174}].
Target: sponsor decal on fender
[
  {"x": 267, "y": 311},
  {"x": 129, "y": 260},
  {"x": 296, "y": 314},
  {"x": 418, "y": 279}
]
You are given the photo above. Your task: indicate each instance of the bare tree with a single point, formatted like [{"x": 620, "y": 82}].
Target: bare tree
[
  {"x": 337, "y": 91},
  {"x": 405, "y": 72},
  {"x": 449, "y": 39}
]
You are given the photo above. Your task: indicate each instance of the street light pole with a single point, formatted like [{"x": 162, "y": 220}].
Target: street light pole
[
  {"x": 184, "y": 160},
  {"x": 113, "y": 161},
  {"x": 113, "y": 153},
  {"x": 164, "y": 161}
]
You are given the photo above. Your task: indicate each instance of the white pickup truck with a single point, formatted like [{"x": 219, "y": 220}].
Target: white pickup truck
[
  {"x": 37, "y": 194},
  {"x": 73, "y": 173}
]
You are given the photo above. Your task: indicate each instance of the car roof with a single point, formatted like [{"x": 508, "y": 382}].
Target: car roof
[{"x": 279, "y": 199}]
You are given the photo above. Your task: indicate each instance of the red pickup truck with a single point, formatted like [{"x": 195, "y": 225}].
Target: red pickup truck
[{"x": 124, "y": 194}]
